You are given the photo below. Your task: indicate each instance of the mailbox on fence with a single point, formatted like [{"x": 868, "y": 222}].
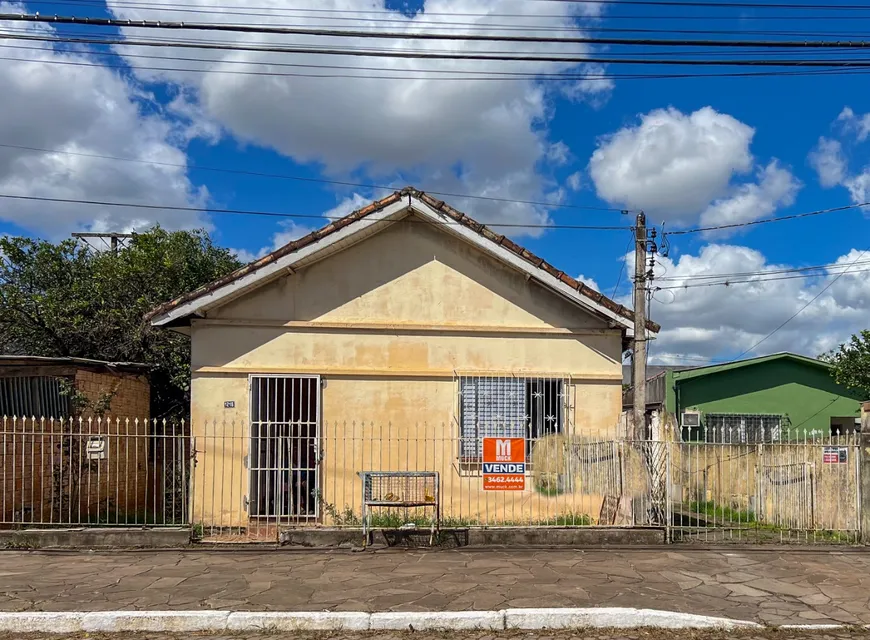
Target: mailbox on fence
[
  {"x": 97, "y": 448},
  {"x": 401, "y": 490}
]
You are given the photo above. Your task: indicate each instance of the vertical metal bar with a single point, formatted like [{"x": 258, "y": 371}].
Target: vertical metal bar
[
  {"x": 136, "y": 438},
  {"x": 175, "y": 480},
  {"x": 51, "y": 462},
  {"x": 15, "y": 517},
  {"x": 127, "y": 473},
  {"x": 272, "y": 405},
  {"x": 116, "y": 453},
  {"x": 211, "y": 463},
  {"x": 41, "y": 474},
  {"x": 232, "y": 503},
  {"x": 5, "y": 453},
  {"x": 205, "y": 453},
  {"x": 90, "y": 424}
]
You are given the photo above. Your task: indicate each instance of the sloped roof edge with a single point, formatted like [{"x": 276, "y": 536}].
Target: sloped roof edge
[
  {"x": 183, "y": 306},
  {"x": 705, "y": 370}
]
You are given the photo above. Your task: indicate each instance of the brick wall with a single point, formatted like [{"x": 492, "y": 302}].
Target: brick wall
[
  {"x": 132, "y": 393},
  {"x": 49, "y": 477}
]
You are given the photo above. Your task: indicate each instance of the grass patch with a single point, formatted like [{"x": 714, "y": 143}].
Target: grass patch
[{"x": 722, "y": 514}]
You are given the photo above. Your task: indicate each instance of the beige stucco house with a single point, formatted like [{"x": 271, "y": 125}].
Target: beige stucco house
[{"x": 392, "y": 339}]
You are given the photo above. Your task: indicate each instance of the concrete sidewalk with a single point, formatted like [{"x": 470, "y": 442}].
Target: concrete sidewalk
[{"x": 770, "y": 586}]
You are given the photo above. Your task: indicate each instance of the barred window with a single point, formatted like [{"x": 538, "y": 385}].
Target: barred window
[
  {"x": 508, "y": 407},
  {"x": 742, "y": 428}
]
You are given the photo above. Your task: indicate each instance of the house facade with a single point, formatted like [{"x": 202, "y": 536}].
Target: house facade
[
  {"x": 779, "y": 396},
  {"x": 394, "y": 339}
]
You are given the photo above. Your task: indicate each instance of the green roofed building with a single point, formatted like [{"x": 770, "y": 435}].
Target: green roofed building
[{"x": 783, "y": 395}]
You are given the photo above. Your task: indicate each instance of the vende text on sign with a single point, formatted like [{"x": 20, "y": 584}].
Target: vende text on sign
[
  {"x": 504, "y": 464},
  {"x": 503, "y": 467}
]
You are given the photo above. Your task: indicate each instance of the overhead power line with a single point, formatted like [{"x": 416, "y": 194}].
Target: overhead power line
[
  {"x": 760, "y": 280},
  {"x": 859, "y": 63},
  {"x": 694, "y": 3},
  {"x": 736, "y": 274},
  {"x": 394, "y": 17},
  {"x": 717, "y": 4},
  {"x": 342, "y": 183},
  {"x": 394, "y": 35},
  {"x": 750, "y": 223},
  {"x": 393, "y": 188},
  {"x": 402, "y": 74},
  {"x": 801, "y": 310},
  {"x": 274, "y": 214}
]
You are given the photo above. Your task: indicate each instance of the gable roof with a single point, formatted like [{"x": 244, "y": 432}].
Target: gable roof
[
  {"x": 363, "y": 222},
  {"x": 696, "y": 372}
]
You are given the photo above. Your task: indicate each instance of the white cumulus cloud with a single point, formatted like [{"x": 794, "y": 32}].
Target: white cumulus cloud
[
  {"x": 853, "y": 123},
  {"x": 830, "y": 161},
  {"x": 776, "y": 187},
  {"x": 672, "y": 164},
  {"x": 475, "y": 135},
  {"x": 58, "y": 116},
  {"x": 680, "y": 167},
  {"x": 711, "y": 322}
]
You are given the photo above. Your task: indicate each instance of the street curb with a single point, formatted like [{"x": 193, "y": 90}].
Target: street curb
[
  {"x": 62, "y": 622},
  {"x": 301, "y": 621},
  {"x": 438, "y": 620},
  {"x": 615, "y": 618}
]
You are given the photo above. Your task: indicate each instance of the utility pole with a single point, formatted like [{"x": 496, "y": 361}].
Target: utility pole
[
  {"x": 112, "y": 240},
  {"x": 638, "y": 356}
]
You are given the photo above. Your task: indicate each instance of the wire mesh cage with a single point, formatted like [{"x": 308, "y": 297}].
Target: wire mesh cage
[{"x": 401, "y": 489}]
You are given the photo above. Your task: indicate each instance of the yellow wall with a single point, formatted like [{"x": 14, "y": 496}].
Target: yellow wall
[{"x": 387, "y": 324}]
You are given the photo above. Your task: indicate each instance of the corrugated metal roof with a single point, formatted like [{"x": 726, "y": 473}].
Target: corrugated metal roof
[{"x": 84, "y": 363}]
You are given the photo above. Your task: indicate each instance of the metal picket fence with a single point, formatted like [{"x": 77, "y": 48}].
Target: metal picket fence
[
  {"x": 250, "y": 486},
  {"x": 765, "y": 485},
  {"x": 96, "y": 471},
  {"x": 242, "y": 481}
]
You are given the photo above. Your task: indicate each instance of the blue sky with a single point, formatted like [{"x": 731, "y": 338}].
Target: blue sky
[{"x": 689, "y": 151}]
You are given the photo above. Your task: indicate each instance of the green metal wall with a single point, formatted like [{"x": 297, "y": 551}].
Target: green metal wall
[{"x": 805, "y": 393}]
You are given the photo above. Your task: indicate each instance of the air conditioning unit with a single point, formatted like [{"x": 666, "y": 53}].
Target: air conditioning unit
[{"x": 690, "y": 419}]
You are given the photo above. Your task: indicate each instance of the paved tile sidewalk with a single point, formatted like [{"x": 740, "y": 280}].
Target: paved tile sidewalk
[
  {"x": 547, "y": 634},
  {"x": 772, "y": 586}
]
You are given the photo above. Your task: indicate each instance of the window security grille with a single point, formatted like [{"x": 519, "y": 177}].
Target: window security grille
[
  {"x": 509, "y": 407},
  {"x": 734, "y": 428}
]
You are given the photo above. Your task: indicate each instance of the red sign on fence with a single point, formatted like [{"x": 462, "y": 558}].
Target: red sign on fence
[
  {"x": 835, "y": 455},
  {"x": 504, "y": 464}
]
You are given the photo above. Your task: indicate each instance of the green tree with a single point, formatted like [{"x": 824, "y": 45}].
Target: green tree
[
  {"x": 67, "y": 300},
  {"x": 852, "y": 363}
]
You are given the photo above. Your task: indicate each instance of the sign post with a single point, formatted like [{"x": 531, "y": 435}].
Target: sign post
[{"x": 504, "y": 464}]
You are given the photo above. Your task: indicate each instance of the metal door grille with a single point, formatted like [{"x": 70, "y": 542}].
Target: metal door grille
[{"x": 284, "y": 453}]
